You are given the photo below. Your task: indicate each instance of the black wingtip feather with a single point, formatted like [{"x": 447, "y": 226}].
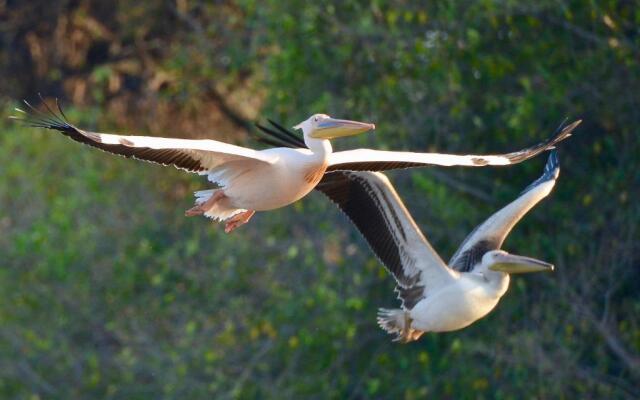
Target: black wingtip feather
[
  {"x": 553, "y": 162},
  {"x": 551, "y": 171},
  {"x": 278, "y": 138},
  {"x": 64, "y": 116},
  {"x": 36, "y": 118},
  {"x": 561, "y": 133},
  {"x": 279, "y": 132},
  {"x": 284, "y": 130},
  {"x": 271, "y": 142}
]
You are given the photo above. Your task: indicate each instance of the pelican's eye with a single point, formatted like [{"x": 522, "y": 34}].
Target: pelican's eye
[{"x": 316, "y": 119}]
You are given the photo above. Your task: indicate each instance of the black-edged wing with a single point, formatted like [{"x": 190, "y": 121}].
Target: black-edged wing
[
  {"x": 372, "y": 204},
  {"x": 190, "y": 155},
  {"x": 379, "y": 160},
  {"x": 491, "y": 234}
]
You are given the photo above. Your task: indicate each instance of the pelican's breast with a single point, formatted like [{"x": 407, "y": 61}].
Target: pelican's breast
[
  {"x": 455, "y": 306},
  {"x": 267, "y": 187},
  {"x": 313, "y": 174}
]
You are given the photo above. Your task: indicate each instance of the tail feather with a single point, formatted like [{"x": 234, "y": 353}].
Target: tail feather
[
  {"x": 392, "y": 321},
  {"x": 203, "y": 195},
  {"x": 219, "y": 211}
]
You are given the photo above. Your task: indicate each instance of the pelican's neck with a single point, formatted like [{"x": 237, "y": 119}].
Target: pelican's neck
[
  {"x": 319, "y": 147},
  {"x": 498, "y": 281}
]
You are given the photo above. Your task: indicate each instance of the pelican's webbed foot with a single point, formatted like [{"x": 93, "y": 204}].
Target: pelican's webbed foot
[{"x": 238, "y": 220}]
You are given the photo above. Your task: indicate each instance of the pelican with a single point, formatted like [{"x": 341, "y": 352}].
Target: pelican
[
  {"x": 248, "y": 180},
  {"x": 436, "y": 297}
]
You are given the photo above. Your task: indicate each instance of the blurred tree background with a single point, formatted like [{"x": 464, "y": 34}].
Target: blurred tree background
[{"x": 108, "y": 291}]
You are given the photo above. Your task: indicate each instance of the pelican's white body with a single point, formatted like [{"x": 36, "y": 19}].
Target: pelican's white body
[
  {"x": 459, "y": 304},
  {"x": 260, "y": 187},
  {"x": 277, "y": 177}
]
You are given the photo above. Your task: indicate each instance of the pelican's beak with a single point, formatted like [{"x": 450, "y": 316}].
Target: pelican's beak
[
  {"x": 331, "y": 128},
  {"x": 513, "y": 264}
]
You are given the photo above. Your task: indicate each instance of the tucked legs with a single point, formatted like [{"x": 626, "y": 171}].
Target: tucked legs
[
  {"x": 202, "y": 208},
  {"x": 238, "y": 220}
]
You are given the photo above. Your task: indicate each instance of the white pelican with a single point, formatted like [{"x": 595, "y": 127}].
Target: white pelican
[
  {"x": 435, "y": 297},
  {"x": 249, "y": 180}
]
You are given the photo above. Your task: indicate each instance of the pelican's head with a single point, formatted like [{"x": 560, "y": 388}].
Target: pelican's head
[
  {"x": 499, "y": 260},
  {"x": 322, "y": 126}
]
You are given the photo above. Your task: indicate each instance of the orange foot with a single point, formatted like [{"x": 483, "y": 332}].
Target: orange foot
[
  {"x": 201, "y": 208},
  {"x": 237, "y": 220}
]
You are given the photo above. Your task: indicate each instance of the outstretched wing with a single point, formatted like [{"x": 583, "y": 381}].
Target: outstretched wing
[
  {"x": 190, "y": 155},
  {"x": 374, "y": 207},
  {"x": 377, "y": 160},
  {"x": 491, "y": 234}
]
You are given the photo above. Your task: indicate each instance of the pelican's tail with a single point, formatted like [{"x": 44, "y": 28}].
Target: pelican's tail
[
  {"x": 204, "y": 195},
  {"x": 220, "y": 211},
  {"x": 397, "y": 321},
  {"x": 392, "y": 320}
]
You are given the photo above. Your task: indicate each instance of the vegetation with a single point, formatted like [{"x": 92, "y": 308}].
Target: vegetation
[{"x": 108, "y": 291}]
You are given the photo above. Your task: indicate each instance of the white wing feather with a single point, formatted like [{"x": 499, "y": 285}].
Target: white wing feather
[
  {"x": 447, "y": 160},
  {"x": 210, "y": 153}
]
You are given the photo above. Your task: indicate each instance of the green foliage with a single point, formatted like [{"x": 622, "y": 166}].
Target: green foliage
[{"x": 110, "y": 292}]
